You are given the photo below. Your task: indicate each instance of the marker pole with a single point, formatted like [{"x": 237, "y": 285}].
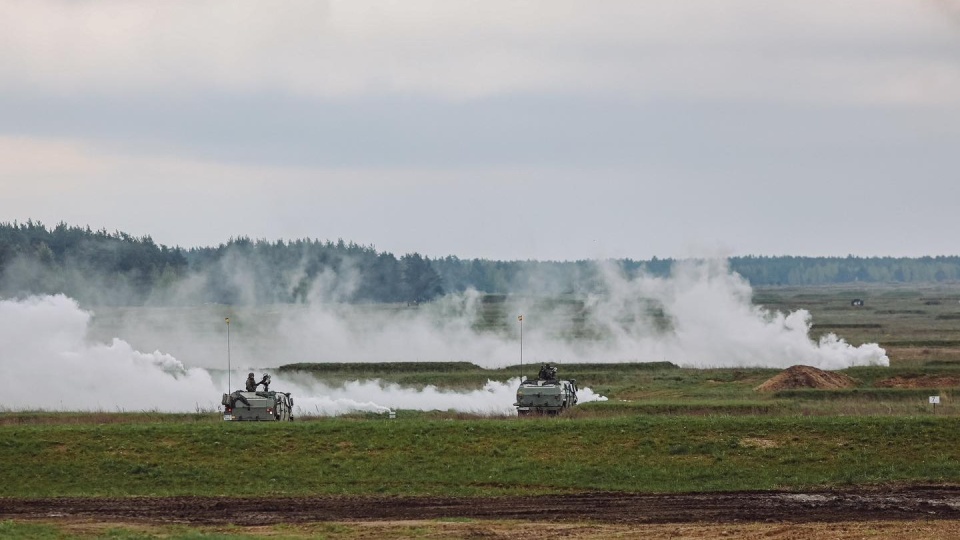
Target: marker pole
[
  {"x": 520, "y": 318},
  {"x": 229, "y": 385}
]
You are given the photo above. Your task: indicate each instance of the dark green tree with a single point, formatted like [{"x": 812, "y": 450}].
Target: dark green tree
[{"x": 421, "y": 282}]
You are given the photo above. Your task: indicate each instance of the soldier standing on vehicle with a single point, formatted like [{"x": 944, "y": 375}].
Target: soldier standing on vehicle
[
  {"x": 251, "y": 383},
  {"x": 544, "y": 372}
]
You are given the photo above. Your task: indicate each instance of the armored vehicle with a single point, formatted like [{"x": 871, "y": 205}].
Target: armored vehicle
[
  {"x": 546, "y": 394},
  {"x": 263, "y": 406}
]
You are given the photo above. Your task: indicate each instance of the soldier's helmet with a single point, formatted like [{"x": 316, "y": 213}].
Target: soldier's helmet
[{"x": 250, "y": 375}]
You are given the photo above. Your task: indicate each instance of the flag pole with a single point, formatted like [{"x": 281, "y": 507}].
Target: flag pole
[
  {"x": 229, "y": 385},
  {"x": 520, "y": 318}
]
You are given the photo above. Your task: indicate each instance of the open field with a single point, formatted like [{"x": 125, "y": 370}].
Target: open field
[
  {"x": 630, "y": 453},
  {"x": 665, "y": 430},
  {"x": 915, "y": 322}
]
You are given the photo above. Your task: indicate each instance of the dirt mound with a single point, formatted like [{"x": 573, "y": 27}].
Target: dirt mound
[
  {"x": 919, "y": 381},
  {"x": 806, "y": 377}
]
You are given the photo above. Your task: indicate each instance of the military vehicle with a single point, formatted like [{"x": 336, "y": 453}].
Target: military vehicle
[
  {"x": 263, "y": 406},
  {"x": 546, "y": 394}
]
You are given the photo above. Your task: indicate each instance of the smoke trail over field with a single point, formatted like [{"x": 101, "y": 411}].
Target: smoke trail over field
[
  {"x": 700, "y": 316},
  {"x": 710, "y": 322},
  {"x": 48, "y": 364},
  {"x": 495, "y": 398},
  {"x": 57, "y": 356}
]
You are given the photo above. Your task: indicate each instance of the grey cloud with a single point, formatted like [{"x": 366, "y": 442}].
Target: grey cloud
[{"x": 526, "y": 130}]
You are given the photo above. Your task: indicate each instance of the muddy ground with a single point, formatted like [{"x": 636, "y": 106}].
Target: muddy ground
[{"x": 855, "y": 505}]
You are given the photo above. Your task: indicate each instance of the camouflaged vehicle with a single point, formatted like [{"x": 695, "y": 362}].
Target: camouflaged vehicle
[
  {"x": 546, "y": 394},
  {"x": 263, "y": 406}
]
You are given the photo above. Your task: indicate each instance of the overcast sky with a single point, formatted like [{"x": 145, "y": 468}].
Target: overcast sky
[{"x": 545, "y": 129}]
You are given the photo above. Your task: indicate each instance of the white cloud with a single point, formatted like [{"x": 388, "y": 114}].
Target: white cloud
[
  {"x": 614, "y": 128},
  {"x": 744, "y": 49},
  {"x": 190, "y": 202},
  {"x": 33, "y": 160}
]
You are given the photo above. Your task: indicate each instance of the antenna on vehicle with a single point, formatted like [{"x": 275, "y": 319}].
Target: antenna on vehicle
[
  {"x": 520, "y": 319},
  {"x": 229, "y": 386}
]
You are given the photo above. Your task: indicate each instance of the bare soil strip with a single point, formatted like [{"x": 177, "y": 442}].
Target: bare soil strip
[
  {"x": 525, "y": 530},
  {"x": 855, "y": 505}
]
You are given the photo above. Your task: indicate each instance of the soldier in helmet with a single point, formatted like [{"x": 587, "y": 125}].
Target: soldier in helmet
[
  {"x": 251, "y": 383},
  {"x": 544, "y": 372}
]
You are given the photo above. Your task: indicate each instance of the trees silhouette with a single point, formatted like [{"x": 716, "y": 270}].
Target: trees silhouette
[{"x": 99, "y": 267}]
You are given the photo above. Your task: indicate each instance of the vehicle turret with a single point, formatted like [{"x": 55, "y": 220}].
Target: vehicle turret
[
  {"x": 547, "y": 394},
  {"x": 258, "y": 406}
]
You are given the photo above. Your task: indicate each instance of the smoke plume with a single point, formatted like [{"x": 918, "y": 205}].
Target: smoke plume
[
  {"x": 63, "y": 357},
  {"x": 700, "y": 316},
  {"x": 50, "y": 365}
]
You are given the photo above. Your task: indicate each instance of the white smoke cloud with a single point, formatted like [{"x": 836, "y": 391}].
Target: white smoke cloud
[
  {"x": 700, "y": 316},
  {"x": 495, "y": 398},
  {"x": 713, "y": 324},
  {"x": 50, "y": 365}
]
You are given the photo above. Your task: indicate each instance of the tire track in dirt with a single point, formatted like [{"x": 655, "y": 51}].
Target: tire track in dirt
[{"x": 796, "y": 507}]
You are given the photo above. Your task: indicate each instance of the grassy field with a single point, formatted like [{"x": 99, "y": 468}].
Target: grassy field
[
  {"x": 901, "y": 317},
  {"x": 633, "y": 453},
  {"x": 664, "y": 428}
]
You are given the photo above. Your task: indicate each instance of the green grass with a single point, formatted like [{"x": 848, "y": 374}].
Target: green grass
[
  {"x": 477, "y": 457},
  {"x": 36, "y": 531},
  {"x": 45, "y": 417},
  {"x": 664, "y": 389},
  {"x": 667, "y": 390},
  {"x": 865, "y": 394},
  {"x": 374, "y": 368},
  {"x": 20, "y": 530},
  {"x": 689, "y": 407},
  {"x": 665, "y": 428}
]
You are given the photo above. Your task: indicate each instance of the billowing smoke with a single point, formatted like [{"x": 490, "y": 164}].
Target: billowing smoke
[
  {"x": 700, "y": 316},
  {"x": 495, "y": 398},
  {"x": 49, "y": 365}
]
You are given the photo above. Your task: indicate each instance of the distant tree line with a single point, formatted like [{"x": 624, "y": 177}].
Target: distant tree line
[
  {"x": 502, "y": 277},
  {"x": 101, "y": 267},
  {"x": 97, "y": 266},
  {"x": 116, "y": 268},
  {"x": 304, "y": 270},
  {"x": 833, "y": 270}
]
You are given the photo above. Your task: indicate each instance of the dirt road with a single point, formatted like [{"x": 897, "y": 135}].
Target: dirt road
[{"x": 856, "y": 505}]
